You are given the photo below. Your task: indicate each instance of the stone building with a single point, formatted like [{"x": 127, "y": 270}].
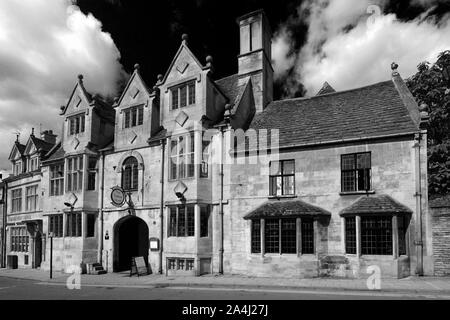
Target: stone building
[
  {"x": 203, "y": 175},
  {"x": 25, "y": 199}
]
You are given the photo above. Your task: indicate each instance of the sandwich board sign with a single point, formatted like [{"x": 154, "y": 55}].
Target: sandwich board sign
[{"x": 138, "y": 266}]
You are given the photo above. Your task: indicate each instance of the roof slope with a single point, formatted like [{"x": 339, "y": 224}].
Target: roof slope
[
  {"x": 41, "y": 144},
  {"x": 229, "y": 86},
  {"x": 371, "y": 111},
  {"x": 286, "y": 208},
  {"x": 374, "y": 205}
]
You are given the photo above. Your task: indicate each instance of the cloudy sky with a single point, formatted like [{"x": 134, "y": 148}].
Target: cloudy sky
[{"x": 45, "y": 44}]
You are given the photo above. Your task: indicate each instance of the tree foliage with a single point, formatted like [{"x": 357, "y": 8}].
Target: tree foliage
[{"x": 429, "y": 86}]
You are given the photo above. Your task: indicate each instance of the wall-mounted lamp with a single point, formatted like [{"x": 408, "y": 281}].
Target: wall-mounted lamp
[{"x": 106, "y": 235}]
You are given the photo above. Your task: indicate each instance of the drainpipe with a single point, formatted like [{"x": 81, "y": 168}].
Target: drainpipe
[
  {"x": 5, "y": 205},
  {"x": 102, "y": 190},
  {"x": 221, "y": 202},
  {"x": 161, "y": 208},
  {"x": 419, "y": 236}
]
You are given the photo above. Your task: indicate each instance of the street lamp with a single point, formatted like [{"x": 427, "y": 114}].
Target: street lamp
[{"x": 51, "y": 235}]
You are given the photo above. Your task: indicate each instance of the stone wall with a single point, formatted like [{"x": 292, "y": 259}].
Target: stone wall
[{"x": 441, "y": 237}]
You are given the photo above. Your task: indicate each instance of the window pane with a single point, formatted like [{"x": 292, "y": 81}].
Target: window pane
[
  {"x": 140, "y": 115},
  {"x": 90, "y": 232},
  {"x": 256, "y": 236},
  {"x": 183, "y": 96},
  {"x": 363, "y": 179},
  {"x": 127, "y": 115},
  {"x": 204, "y": 221},
  {"x": 348, "y": 162},
  {"x": 133, "y": 117},
  {"x": 181, "y": 232},
  {"x": 307, "y": 236},
  {"x": 288, "y": 167},
  {"x": 363, "y": 160},
  {"x": 288, "y": 236},
  {"x": 288, "y": 187},
  {"x": 191, "y": 93},
  {"x": 350, "y": 235},
  {"x": 174, "y": 98},
  {"x": 190, "y": 221},
  {"x": 376, "y": 235},
  {"x": 173, "y": 222},
  {"x": 348, "y": 181},
  {"x": 275, "y": 168},
  {"x": 271, "y": 236}
]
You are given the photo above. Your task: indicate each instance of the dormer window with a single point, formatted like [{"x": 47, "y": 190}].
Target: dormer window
[
  {"x": 133, "y": 117},
  {"x": 17, "y": 168},
  {"x": 183, "y": 95},
  {"x": 76, "y": 124},
  {"x": 33, "y": 164}
]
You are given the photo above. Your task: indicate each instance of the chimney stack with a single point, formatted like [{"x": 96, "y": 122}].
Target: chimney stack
[
  {"x": 48, "y": 136},
  {"x": 255, "y": 58}
]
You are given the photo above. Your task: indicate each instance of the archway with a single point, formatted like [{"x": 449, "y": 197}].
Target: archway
[{"x": 130, "y": 240}]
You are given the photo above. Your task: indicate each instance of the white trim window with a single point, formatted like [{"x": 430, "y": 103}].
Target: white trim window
[
  {"x": 16, "y": 200},
  {"x": 76, "y": 124},
  {"x": 133, "y": 116},
  {"x": 183, "y": 95},
  {"x": 75, "y": 173},
  {"x": 182, "y": 157},
  {"x": 31, "y": 198}
]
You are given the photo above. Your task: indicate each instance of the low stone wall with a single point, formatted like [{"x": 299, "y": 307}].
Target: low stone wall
[{"x": 440, "y": 213}]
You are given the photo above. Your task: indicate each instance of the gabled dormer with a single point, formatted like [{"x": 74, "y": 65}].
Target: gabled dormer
[
  {"x": 36, "y": 149},
  {"x": 137, "y": 114},
  {"x": 88, "y": 121},
  {"x": 187, "y": 92},
  {"x": 17, "y": 158}
]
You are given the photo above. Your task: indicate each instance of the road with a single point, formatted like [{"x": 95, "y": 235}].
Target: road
[{"x": 18, "y": 289}]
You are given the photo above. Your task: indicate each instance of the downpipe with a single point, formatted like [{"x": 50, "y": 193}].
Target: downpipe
[
  {"x": 161, "y": 208},
  {"x": 102, "y": 191},
  {"x": 419, "y": 233}
]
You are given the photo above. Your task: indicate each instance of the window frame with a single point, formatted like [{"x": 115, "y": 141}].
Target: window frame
[
  {"x": 19, "y": 239},
  {"x": 187, "y": 227},
  {"x": 16, "y": 200},
  {"x": 74, "y": 224},
  {"x": 259, "y": 229},
  {"x": 31, "y": 198},
  {"x": 395, "y": 246},
  {"x": 182, "y": 160},
  {"x": 282, "y": 175},
  {"x": 355, "y": 172},
  {"x": 56, "y": 182},
  {"x": 56, "y": 225},
  {"x": 188, "y": 88},
  {"x": 75, "y": 174},
  {"x": 76, "y": 124},
  {"x": 131, "y": 169},
  {"x": 91, "y": 184},
  {"x": 133, "y": 116}
]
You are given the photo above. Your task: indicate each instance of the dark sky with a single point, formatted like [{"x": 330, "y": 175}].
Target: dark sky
[{"x": 149, "y": 32}]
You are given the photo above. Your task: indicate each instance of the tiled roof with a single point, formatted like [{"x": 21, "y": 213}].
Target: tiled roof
[
  {"x": 57, "y": 154},
  {"x": 371, "y": 111},
  {"x": 161, "y": 134},
  {"x": 229, "y": 86},
  {"x": 41, "y": 144},
  {"x": 286, "y": 208},
  {"x": 374, "y": 205},
  {"x": 20, "y": 147}
]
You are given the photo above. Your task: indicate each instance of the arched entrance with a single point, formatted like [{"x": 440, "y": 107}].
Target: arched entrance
[{"x": 130, "y": 240}]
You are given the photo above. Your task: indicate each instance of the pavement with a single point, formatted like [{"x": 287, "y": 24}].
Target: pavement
[{"x": 410, "y": 285}]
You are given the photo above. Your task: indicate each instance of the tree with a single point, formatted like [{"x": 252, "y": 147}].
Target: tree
[{"x": 429, "y": 86}]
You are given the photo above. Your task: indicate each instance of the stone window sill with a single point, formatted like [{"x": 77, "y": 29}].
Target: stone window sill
[
  {"x": 349, "y": 193},
  {"x": 283, "y": 196}
]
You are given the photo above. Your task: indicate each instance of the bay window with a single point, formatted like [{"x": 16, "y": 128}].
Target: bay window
[
  {"x": 75, "y": 173},
  {"x": 182, "y": 157}
]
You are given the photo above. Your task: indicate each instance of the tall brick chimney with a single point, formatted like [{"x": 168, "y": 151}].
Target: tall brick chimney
[
  {"x": 48, "y": 136},
  {"x": 255, "y": 56}
]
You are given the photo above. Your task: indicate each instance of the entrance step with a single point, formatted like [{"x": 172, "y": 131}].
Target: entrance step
[{"x": 95, "y": 268}]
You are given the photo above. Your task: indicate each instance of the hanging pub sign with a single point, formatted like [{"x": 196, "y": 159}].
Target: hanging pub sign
[{"x": 118, "y": 196}]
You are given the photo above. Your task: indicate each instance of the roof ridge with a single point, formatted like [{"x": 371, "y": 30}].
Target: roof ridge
[
  {"x": 331, "y": 93},
  {"x": 224, "y": 78}
]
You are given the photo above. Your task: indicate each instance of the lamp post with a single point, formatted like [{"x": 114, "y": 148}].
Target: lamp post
[{"x": 50, "y": 235}]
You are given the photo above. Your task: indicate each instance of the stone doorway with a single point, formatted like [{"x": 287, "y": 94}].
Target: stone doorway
[{"x": 131, "y": 239}]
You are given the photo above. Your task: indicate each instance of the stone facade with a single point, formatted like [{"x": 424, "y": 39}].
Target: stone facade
[{"x": 186, "y": 190}]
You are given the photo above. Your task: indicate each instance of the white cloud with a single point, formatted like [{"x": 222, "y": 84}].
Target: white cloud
[
  {"x": 44, "y": 45},
  {"x": 349, "y": 46}
]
